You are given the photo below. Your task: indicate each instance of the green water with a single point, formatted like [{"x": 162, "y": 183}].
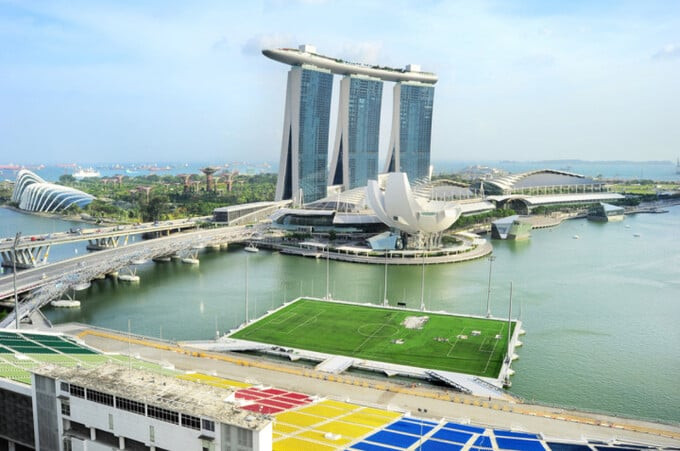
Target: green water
[{"x": 601, "y": 312}]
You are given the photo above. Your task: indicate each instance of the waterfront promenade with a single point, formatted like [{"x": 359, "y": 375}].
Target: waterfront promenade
[{"x": 425, "y": 401}]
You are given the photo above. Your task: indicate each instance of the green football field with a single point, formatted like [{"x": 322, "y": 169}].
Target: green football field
[{"x": 444, "y": 342}]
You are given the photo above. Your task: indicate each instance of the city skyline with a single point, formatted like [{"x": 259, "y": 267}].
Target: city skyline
[{"x": 163, "y": 81}]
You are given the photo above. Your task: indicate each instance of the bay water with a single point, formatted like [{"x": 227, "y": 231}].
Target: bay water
[{"x": 600, "y": 303}]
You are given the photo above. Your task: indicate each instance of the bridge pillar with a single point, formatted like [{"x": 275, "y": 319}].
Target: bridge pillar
[
  {"x": 27, "y": 257},
  {"x": 109, "y": 242}
]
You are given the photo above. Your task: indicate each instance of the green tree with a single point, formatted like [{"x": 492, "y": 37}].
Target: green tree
[
  {"x": 156, "y": 209},
  {"x": 66, "y": 179}
]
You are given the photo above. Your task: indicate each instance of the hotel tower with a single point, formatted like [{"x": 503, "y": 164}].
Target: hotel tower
[{"x": 303, "y": 166}]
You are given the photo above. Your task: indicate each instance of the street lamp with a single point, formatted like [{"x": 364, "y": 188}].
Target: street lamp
[
  {"x": 385, "y": 287},
  {"x": 14, "y": 278},
  {"x": 328, "y": 273},
  {"x": 422, "y": 286},
  {"x": 246, "y": 288},
  {"x": 488, "y": 292}
]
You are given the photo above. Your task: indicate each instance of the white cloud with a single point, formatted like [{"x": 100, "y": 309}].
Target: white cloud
[
  {"x": 669, "y": 51},
  {"x": 257, "y": 43}
]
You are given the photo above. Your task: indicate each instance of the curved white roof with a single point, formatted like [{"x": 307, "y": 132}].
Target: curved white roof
[
  {"x": 337, "y": 66},
  {"x": 32, "y": 193},
  {"x": 539, "y": 178},
  {"x": 399, "y": 208}
]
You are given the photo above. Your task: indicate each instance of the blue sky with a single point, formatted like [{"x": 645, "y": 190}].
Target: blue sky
[{"x": 87, "y": 81}]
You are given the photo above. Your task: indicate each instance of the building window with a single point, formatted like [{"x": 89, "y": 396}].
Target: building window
[
  {"x": 130, "y": 405},
  {"x": 76, "y": 390},
  {"x": 209, "y": 425},
  {"x": 191, "y": 422},
  {"x": 111, "y": 421},
  {"x": 152, "y": 434},
  {"x": 64, "y": 386},
  {"x": 99, "y": 397},
  {"x": 65, "y": 408},
  {"x": 245, "y": 437},
  {"x": 163, "y": 414}
]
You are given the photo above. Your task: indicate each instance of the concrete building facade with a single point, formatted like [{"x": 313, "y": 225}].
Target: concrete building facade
[
  {"x": 409, "y": 149},
  {"x": 304, "y": 147},
  {"x": 355, "y": 155},
  {"x": 114, "y": 407}
]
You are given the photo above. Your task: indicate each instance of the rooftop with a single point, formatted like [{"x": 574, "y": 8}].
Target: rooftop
[
  {"x": 308, "y": 55},
  {"x": 166, "y": 392}
]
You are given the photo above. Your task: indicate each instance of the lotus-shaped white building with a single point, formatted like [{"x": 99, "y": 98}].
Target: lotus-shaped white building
[
  {"x": 398, "y": 207},
  {"x": 32, "y": 193}
]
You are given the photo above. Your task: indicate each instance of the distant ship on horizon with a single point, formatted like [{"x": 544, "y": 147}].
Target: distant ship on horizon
[{"x": 86, "y": 173}]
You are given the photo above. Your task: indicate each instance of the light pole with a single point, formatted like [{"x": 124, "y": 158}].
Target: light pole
[
  {"x": 328, "y": 273},
  {"x": 14, "y": 278},
  {"x": 422, "y": 286},
  {"x": 385, "y": 288},
  {"x": 246, "y": 288},
  {"x": 488, "y": 292}
]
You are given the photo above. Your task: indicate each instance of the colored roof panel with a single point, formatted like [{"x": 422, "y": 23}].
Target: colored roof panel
[
  {"x": 519, "y": 444},
  {"x": 452, "y": 436},
  {"x": 392, "y": 439}
]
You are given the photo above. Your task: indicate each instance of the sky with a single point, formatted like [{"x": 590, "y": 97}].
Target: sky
[{"x": 123, "y": 80}]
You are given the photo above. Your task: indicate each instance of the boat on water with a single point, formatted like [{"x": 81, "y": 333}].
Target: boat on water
[
  {"x": 65, "y": 303},
  {"x": 138, "y": 261},
  {"x": 86, "y": 173},
  {"x": 576, "y": 237},
  {"x": 162, "y": 259},
  {"x": 251, "y": 248}
]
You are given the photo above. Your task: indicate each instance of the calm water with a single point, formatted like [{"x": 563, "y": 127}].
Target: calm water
[{"x": 601, "y": 312}]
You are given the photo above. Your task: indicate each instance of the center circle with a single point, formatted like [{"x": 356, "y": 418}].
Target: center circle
[{"x": 375, "y": 330}]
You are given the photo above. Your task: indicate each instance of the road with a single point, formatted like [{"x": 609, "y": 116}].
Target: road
[
  {"x": 92, "y": 233},
  {"x": 50, "y": 281}
]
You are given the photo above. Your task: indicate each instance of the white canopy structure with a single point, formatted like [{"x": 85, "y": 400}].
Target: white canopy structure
[{"x": 32, "y": 193}]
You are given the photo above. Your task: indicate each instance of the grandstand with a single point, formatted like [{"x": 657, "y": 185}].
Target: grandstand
[
  {"x": 21, "y": 352},
  {"x": 302, "y": 421}
]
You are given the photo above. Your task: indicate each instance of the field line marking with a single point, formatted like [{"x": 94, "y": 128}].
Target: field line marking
[
  {"x": 309, "y": 320},
  {"x": 374, "y": 333},
  {"x": 283, "y": 318},
  {"x": 482, "y": 344},
  {"x": 452, "y": 346},
  {"x": 494, "y": 348}
]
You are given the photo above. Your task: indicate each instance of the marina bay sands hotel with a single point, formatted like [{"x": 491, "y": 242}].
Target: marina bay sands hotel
[{"x": 303, "y": 168}]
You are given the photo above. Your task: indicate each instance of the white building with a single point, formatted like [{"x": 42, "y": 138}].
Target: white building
[
  {"x": 397, "y": 206},
  {"x": 32, "y": 193},
  {"x": 114, "y": 407}
]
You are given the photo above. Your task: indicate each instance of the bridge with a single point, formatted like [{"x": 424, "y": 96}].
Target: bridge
[
  {"x": 50, "y": 281},
  {"x": 33, "y": 250}
]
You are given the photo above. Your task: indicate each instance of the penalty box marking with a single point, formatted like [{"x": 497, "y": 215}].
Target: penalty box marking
[{"x": 494, "y": 348}]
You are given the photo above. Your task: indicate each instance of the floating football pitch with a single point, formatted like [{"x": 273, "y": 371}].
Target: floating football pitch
[{"x": 441, "y": 342}]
